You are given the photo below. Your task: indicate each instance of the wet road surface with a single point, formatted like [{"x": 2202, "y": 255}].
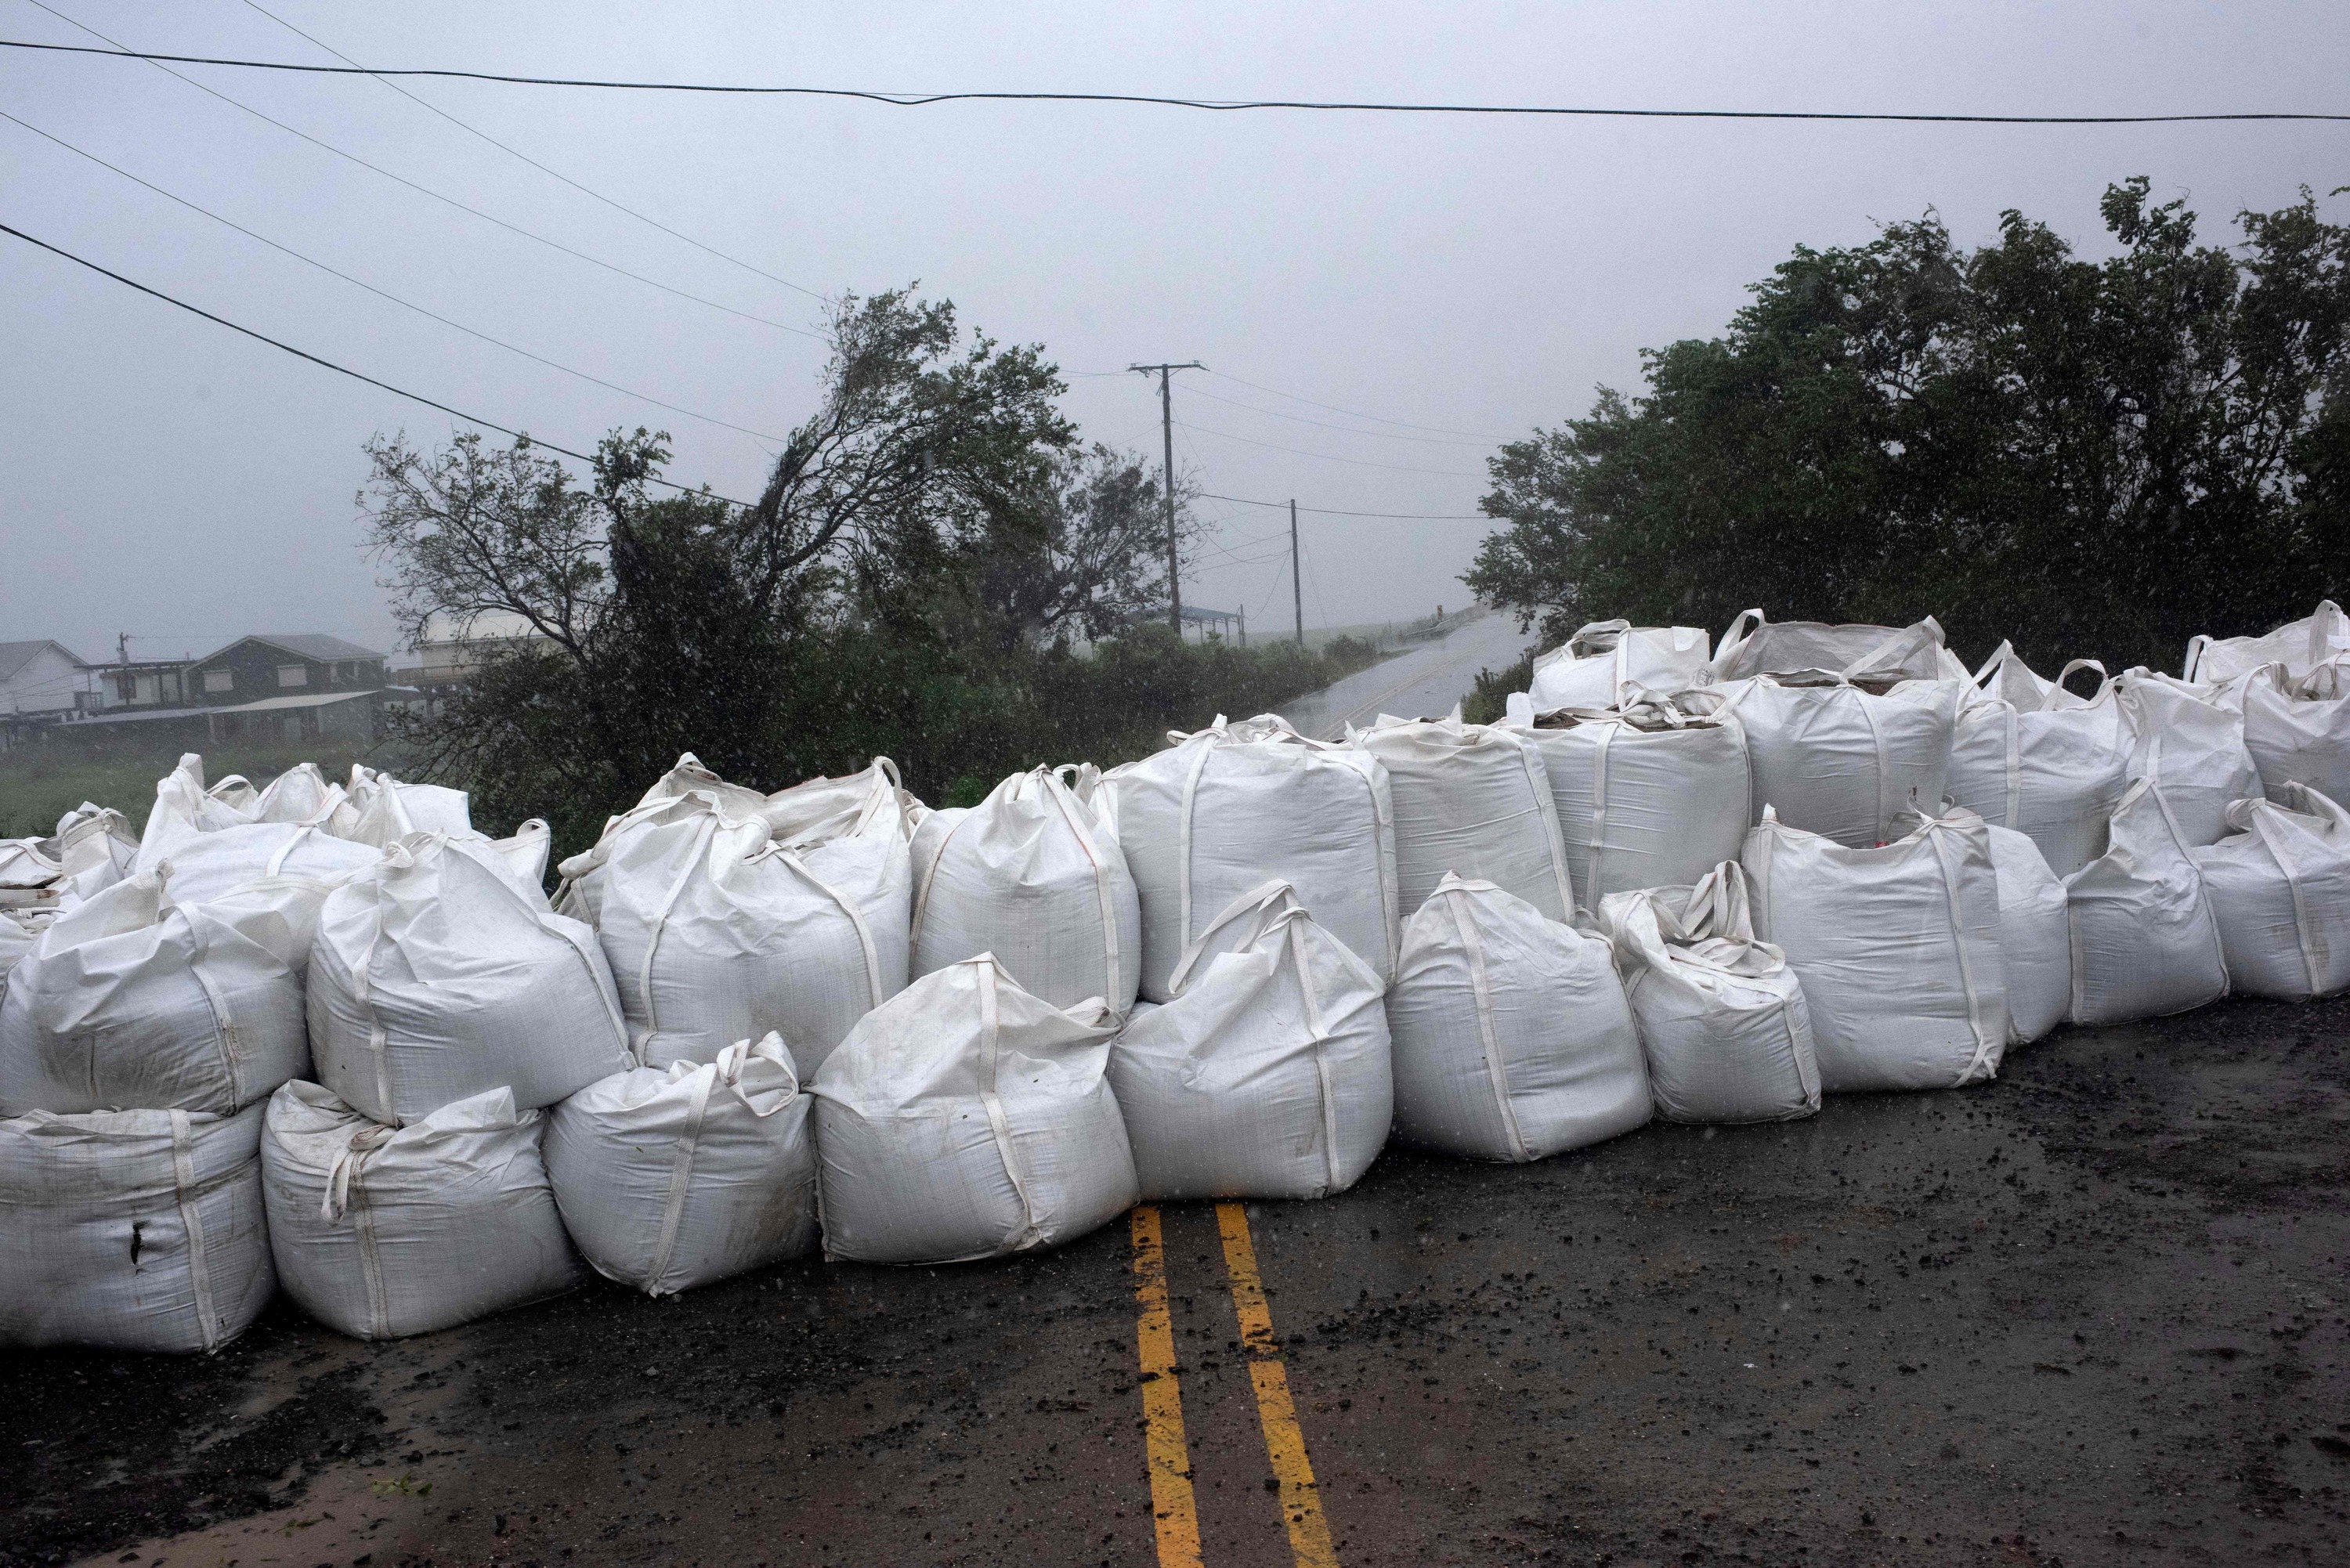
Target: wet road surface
[
  {"x": 2094, "y": 1312},
  {"x": 1422, "y": 682}
]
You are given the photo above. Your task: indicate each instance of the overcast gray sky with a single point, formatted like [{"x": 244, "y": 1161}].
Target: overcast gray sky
[{"x": 160, "y": 476}]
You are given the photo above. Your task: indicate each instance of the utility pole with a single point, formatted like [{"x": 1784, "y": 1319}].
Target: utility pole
[
  {"x": 1167, "y": 432},
  {"x": 1296, "y": 582}
]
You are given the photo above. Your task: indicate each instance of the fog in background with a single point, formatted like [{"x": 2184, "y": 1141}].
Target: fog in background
[{"x": 163, "y": 477}]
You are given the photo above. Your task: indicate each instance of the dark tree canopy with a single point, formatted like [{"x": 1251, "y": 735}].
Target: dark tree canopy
[
  {"x": 929, "y": 547},
  {"x": 2093, "y": 458}
]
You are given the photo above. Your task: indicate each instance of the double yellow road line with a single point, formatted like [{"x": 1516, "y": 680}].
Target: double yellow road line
[{"x": 1172, "y": 1506}]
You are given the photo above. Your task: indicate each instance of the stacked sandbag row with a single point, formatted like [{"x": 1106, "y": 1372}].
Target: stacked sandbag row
[
  {"x": 156, "y": 1037},
  {"x": 1826, "y": 858}
]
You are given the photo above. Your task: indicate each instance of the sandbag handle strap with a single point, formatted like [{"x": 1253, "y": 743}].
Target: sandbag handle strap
[
  {"x": 1074, "y": 813},
  {"x": 346, "y": 1194},
  {"x": 997, "y": 1119},
  {"x": 227, "y": 1036},
  {"x": 1256, "y": 901},
  {"x": 680, "y": 1179},
  {"x": 856, "y": 920},
  {"x": 210, "y": 1330},
  {"x": 1183, "y": 835},
  {"x": 2104, "y": 681},
  {"x": 2304, "y": 929},
  {"x": 1988, "y": 1040},
  {"x": 1480, "y": 991},
  {"x": 705, "y": 845}
]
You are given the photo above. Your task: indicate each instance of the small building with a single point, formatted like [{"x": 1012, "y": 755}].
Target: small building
[
  {"x": 45, "y": 677},
  {"x": 149, "y": 683},
  {"x": 257, "y": 668}
]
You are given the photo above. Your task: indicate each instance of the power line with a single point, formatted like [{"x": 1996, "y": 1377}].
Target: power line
[
  {"x": 1328, "y": 456},
  {"x": 1351, "y": 413},
  {"x": 385, "y": 293},
  {"x": 395, "y": 178},
  {"x": 1349, "y": 429},
  {"x": 340, "y": 370},
  {"x": 1221, "y": 106},
  {"x": 526, "y": 158},
  {"x": 1338, "y": 511}
]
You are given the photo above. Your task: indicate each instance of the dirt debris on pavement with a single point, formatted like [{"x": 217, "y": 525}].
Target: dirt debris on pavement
[{"x": 2098, "y": 1312}]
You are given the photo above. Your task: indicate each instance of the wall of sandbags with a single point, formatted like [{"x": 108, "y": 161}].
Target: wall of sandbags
[{"x": 327, "y": 1037}]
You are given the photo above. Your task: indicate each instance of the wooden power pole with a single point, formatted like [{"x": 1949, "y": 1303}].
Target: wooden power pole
[
  {"x": 1296, "y": 581},
  {"x": 1167, "y": 432}
]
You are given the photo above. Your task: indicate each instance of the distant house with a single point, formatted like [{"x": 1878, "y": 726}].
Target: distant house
[
  {"x": 295, "y": 664},
  {"x": 446, "y": 663},
  {"x": 292, "y": 686},
  {"x": 45, "y": 677}
]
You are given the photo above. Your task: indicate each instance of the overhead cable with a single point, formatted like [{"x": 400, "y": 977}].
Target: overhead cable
[
  {"x": 396, "y": 179},
  {"x": 1338, "y": 511},
  {"x": 1351, "y": 413},
  {"x": 387, "y": 295},
  {"x": 341, "y": 369},
  {"x": 1326, "y": 456},
  {"x": 1349, "y": 429},
  {"x": 1221, "y": 106},
  {"x": 472, "y": 129}
]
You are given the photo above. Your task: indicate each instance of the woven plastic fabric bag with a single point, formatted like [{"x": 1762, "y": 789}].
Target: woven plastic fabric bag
[
  {"x": 964, "y": 1118},
  {"x": 1512, "y": 1040},
  {"x": 1222, "y": 809}
]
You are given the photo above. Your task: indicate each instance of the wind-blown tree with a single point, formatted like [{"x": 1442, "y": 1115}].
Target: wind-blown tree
[
  {"x": 2090, "y": 457},
  {"x": 933, "y": 517}
]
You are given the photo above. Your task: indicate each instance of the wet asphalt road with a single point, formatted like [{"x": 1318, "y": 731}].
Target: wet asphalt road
[
  {"x": 2094, "y": 1312},
  {"x": 1421, "y": 682}
]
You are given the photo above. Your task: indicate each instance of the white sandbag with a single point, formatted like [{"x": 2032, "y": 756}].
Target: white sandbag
[
  {"x": 1511, "y": 1037},
  {"x": 1268, "y": 1073},
  {"x": 1898, "y": 948},
  {"x": 1720, "y": 1016},
  {"x": 1033, "y": 874},
  {"x": 214, "y": 863},
  {"x": 1841, "y": 760},
  {"x": 1472, "y": 799},
  {"x": 2279, "y": 885},
  {"x": 1222, "y": 809},
  {"x": 300, "y": 794},
  {"x": 435, "y": 979},
  {"x": 2298, "y": 729},
  {"x": 964, "y": 1118},
  {"x": 26, "y": 866},
  {"x": 1877, "y": 654},
  {"x": 380, "y": 1232},
  {"x": 2300, "y": 646},
  {"x": 2035, "y": 935},
  {"x": 2145, "y": 943},
  {"x": 669, "y": 1180},
  {"x": 132, "y": 1230},
  {"x": 1597, "y": 665},
  {"x": 17, "y": 934},
  {"x": 133, "y": 1000},
  {"x": 718, "y": 929},
  {"x": 182, "y": 810},
  {"x": 2189, "y": 741},
  {"x": 95, "y": 847},
  {"x": 1647, "y": 795},
  {"x": 2027, "y": 755},
  {"x": 381, "y": 808}
]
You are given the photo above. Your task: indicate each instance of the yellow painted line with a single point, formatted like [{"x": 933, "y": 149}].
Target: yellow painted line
[
  {"x": 1172, "y": 1508},
  {"x": 1284, "y": 1442}
]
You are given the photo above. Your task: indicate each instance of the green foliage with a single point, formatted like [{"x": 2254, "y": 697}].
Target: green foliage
[
  {"x": 2094, "y": 458},
  {"x": 1489, "y": 698},
  {"x": 955, "y": 722},
  {"x": 914, "y": 580}
]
